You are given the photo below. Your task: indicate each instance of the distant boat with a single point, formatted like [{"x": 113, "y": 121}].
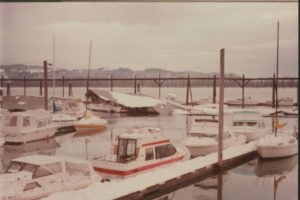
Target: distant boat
[
  {"x": 250, "y": 124},
  {"x": 202, "y": 138},
  {"x": 284, "y": 101},
  {"x": 247, "y": 102},
  {"x": 69, "y": 106},
  {"x": 37, "y": 176},
  {"x": 28, "y": 126},
  {"x": 138, "y": 150}
]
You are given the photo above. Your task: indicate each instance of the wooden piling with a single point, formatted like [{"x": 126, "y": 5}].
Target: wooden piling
[
  {"x": 243, "y": 91},
  {"x": 214, "y": 89},
  {"x": 1, "y": 82},
  {"x": 41, "y": 87},
  {"x": 8, "y": 89},
  {"x": 46, "y": 84},
  {"x": 221, "y": 108},
  {"x": 111, "y": 83},
  {"x": 159, "y": 84},
  {"x": 70, "y": 90},
  {"x": 63, "y": 86},
  {"x": 24, "y": 85},
  {"x": 273, "y": 91},
  {"x": 134, "y": 84},
  {"x": 187, "y": 90}
]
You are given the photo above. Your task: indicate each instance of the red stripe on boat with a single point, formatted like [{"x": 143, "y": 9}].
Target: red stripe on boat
[
  {"x": 132, "y": 171},
  {"x": 154, "y": 143}
]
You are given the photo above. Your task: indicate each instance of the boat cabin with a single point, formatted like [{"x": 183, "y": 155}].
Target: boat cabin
[
  {"x": 27, "y": 120},
  {"x": 247, "y": 119},
  {"x": 145, "y": 142}
]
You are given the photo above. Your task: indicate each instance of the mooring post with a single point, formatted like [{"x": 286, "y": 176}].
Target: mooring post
[
  {"x": 159, "y": 84},
  {"x": 41, "y": 87},
  {"x": 134, "y": 84},
  {"x": 1, "y": 97},
  {"x": 1, "y": 82},
  {"x": 70, "y": 90},
  {"x": 187, "y": 90},
  {"x": 243, "y": 91},
  {"x": 63, "y": 86},
  {"x": 8, "y": 89},
  {"x": 273, "y": 91},
  {"x": 214, "y": 89},
  {"x": 24, "y": 85},
  {"x": 46, "y": 84},
  {"x": 111, "y": 83},
  {"x": 220, "y": 186},
  {"x": 221, "y": 108}
]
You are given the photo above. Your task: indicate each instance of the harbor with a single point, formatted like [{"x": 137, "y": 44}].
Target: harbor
[{"x": 150, "y": 103}]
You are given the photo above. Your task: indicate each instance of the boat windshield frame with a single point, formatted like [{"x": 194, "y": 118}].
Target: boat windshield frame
[{"x": 127, "y": 150}]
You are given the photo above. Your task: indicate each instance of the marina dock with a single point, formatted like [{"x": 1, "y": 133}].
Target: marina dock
[{"x": 166, "y": 179}]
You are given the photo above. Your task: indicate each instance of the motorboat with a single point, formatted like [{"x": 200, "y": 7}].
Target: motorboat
[
  {"x": 250, "y": 124},
  {"x": 202, "y": 138},
  {"x": 107, "y": 107},
  {"x": 138, "y": 150},
  {"x": 248, "y": 101},
  {"x": 90, "y": 124},
  {"x": 28, "y": 126},
  {"x": 64, "y": 122},
  {"x": 279, "y": 146},
  {"x": 69, "y": 106},
  {"x": 37, "y": 176}
]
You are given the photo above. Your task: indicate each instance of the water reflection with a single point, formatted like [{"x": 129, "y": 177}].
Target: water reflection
[{"x": 8, "y": 152}]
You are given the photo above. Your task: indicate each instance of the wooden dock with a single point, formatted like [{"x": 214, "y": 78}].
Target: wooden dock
[{"x": 190, "y": 178}]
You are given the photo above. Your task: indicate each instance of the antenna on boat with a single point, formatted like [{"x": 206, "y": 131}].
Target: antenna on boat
[
  {"x": 277, "y": 59},
  {"x": 88, "y": 76}
]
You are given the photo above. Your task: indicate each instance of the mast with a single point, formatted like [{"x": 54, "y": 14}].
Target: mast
[
  {"x": 53, "y": 73},
  {"x": 277, "y": 61},
  {"x": 88, "y": 75}
]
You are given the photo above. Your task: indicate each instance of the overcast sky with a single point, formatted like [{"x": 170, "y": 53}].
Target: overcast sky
[{"x": 173, "y": 36}]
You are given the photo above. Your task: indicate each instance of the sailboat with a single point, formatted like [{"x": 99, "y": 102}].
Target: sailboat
[{"x": 277, "y": 146}]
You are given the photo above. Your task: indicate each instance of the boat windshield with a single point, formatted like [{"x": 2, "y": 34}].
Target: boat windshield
[
  {"x": 14, "y": 167},
  {"x": 244, "y": 123},
  {"x": 29, "y": 168},
  {"x": 126, "y": 150},
  {"x": 10, "y": 121}
]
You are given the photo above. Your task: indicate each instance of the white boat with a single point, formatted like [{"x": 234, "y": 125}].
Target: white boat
[
  {"x": 247, "y": 101},
  {"x": 64, "y": 122},
  {"x": 28, "y": 126},
  {"x": 90, "y": 124},
  {"x": 37, "y": 176},
  {"x": 73, "y": 107},
  {"x": 284, "y": 101},
  {"x": 202, "y": 138},
  {"x": 279, "y": 146},
  {"x": 138, "y": 150},
  {"x": 250, "y": 124},
  {"x": 106, "y": 107}
]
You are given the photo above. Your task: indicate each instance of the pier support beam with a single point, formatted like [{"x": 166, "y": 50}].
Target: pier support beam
[
  {"x": 188, "y": 91},
  {"x": 214, "y": 89},
  {"x": 2, "y": 82},
  {"x": 24, "y": 85},
  {"x": 242, "y": 85},
  {"x": 8, "y": 89},
  {"x": 46, "y": 84},
  {"x": 41, "y": 87},
  {"x": 70, "y": 90},
  {"x": 63, "y": 86},
  {"x": 111, "y": 83},
  {"x": 134, "y": 84},
  {"x": 159, "y": 83},
  {"x": 221, "y": 108}
]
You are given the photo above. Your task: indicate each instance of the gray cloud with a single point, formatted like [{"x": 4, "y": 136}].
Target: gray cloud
[{"x": 139, "y": 35}]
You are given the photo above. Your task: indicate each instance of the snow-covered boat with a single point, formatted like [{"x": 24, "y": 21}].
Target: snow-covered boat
[
  {"x": 202, "y": 137},
  {"x": 250, "y": 124},
  {"x": 138, "y": 150},
  {"x": 247, "y": 101},
  {"x": 73, "y": 107},
  {"x": 107, "y": 107},
  {"x": 279, "y": 146},
  {"x": 37, "y": 176},
  {"x": 90, "y": 124},
  {"x": 284, "y": 101},
  {"x": 28, "y": 126}
]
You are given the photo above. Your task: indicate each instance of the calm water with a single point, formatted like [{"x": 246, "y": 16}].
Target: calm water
[{"x": 254, "y": 180}]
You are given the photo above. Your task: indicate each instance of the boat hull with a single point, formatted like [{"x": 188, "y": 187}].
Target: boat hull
[
  {"x": 202, "y": 150},
  {"x": 26, "y": 137},
  {"x": 276, "y": 151},
  {"x": 86, "y": 129}
]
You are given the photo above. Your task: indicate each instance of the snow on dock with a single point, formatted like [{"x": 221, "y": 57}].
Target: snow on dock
[{"x": 158, "y": 177}]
